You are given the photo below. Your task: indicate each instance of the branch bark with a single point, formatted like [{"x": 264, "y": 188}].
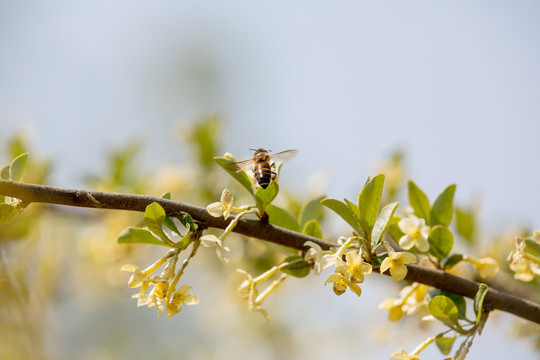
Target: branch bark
[{"x": 30, "y": 193}]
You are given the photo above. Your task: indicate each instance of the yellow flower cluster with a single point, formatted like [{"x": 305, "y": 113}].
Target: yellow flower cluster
[{"x": 163, "y": 294}]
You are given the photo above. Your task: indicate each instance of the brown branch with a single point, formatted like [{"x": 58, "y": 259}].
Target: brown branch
[{"x": 92, "y": 199}]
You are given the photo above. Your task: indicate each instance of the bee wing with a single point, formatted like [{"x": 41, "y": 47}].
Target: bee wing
[
  {"x": 285, "y": 155},
  {"x": 239, "y": 166}
]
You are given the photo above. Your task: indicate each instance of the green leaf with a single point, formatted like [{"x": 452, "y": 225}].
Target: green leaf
[
  {"x": 368, "y": 202},
  {"x": 312, "y": 228},
  {"x": 166, "y": 195},
  {"x": 445, "y": 344},
  {"x": 458, "y": 300},
  {"x": 154, "y": 217},
  {"x": 532, "y": 247},
  {"x": 419, "y": 202},
  {"x": 479, "y": 301},
  {"x": 465, "y": 224},
  {"x": 133, "y": 235},
  {"x": 186, "y": 220},
  {"x": 451, "y": 261},
  {"x": 377, "y": 261},
  {"x": 299, "y": 268},
  {"x": 344, "y": 211},
  {"x": 311, "y": 209},
  {"x": 381, "y": 222},
  {"x": 441, "y": 241},
  {"x": 444, "y": 310},
  {"x": 280, "y": 217},
  {"x": 442, "y": 210},
  {"x": 239, "y": 176},
  {"x": 394, "y": 230},
  {"x": 169, "y": 223},
  {"x": 17, "y": 167},
  {"x": 5, "y": 173},
  {"x": 263, "y": 197}
]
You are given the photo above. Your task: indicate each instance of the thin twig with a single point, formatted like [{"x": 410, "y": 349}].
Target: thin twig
[{"x": 258, "y": 229}]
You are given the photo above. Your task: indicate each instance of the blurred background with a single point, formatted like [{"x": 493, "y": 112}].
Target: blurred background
[{"x": 117, "y": 95}]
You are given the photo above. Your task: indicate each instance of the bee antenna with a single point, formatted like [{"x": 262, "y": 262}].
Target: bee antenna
[{"x": 253, "y": 149}]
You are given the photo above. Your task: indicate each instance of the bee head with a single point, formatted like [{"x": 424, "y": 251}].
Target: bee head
[{"x": 261, "y": 155}]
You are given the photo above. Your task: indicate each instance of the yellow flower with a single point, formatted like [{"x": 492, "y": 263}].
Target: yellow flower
[
  {"x": 395, "y": 261},
  {"x": 486, "y": 266},
  {"x": 416, "y": 233},
  {"x": 222, "y": 208},
  {"x": 155, "y": 298},
  {"x": 179, "y": 297},
  {"x": 354, "y": 267},
  {"x": 341, "y": 283}
]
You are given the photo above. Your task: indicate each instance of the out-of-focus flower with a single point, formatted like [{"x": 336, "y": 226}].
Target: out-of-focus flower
[
  {"x": 416, "y": 233},
  {"x": 486, "y": 266},
  {"x": 403, "y": 355},
  {"x": 525, "y": 265}
]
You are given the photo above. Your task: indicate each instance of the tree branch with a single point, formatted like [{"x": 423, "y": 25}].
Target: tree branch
[{"x": 253, "y": 228}]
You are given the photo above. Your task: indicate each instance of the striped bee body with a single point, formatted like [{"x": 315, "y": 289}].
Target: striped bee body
[
  {"x": 262, "y": 165},
  {"x": 263, "y": 174}
]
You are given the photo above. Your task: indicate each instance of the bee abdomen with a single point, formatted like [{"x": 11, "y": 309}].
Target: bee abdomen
[{"x": 263, "y": 174}]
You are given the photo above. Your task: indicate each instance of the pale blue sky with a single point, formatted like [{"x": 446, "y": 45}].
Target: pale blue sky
[{"x": 455, "y": 84}]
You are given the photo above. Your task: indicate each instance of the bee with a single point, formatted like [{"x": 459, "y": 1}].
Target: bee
[{"x": 262, "y": 164}]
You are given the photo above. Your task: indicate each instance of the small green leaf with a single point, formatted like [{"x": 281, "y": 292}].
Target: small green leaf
[
  {"x": 312, "y": 228},
  {"x": 441, "y": 241},
  {"x": 5, "y": 173},
  {"x": 186, "y": 220},
  {"x": 451, "y": 261},
  {"x": 532, "y": 247},
  {"x": 299, "y": 267},
  {"x": 235, "y": 172},
  {"x": 133, "y": 235},
  {"x": 344, "y": 211},
  {"x": 442, "y": 210},
  {"x": 280, "y": 217},
  {"x": 354, "y": 208},
  {"x": 444, "y": 310},
  {"x": 311, "y": 209},
  {"x": 17, "y": 167},
  {"x": 368, "y": 202},
  {"x": 381, "y": 222},
  {"x": 458, "y": 300},
  {"x": 263, "y": 197},
  {"x": 166, "y": 195},
  {"x": 169, "y": 223},
  {"x": 445, "y": 344},
  {"x": 479, "y": 301},
  {"x": 154, "y": 217},
  {"x": 465, "y": 224},
  {"x": 379, "y": 259},
  {"x": 419, "y": 202}
]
